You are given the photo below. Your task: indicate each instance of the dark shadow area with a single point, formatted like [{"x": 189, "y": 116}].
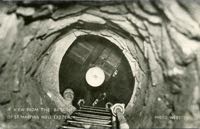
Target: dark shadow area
[{"x": 90, "y": 51}]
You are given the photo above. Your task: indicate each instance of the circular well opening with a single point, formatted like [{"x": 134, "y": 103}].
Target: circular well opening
[{"x": 94, "y": 68}]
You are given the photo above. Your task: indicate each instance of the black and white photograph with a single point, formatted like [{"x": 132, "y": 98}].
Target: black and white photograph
[{"x": 99, "y": 64}]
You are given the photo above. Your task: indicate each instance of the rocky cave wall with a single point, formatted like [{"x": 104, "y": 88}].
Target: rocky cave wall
[{"x": 159, "y": 38}]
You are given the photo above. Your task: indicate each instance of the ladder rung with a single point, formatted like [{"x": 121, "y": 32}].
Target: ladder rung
[
  {"x": 95, "y": 109},
  {"x": 101, "y": 108},
  {"x": 89, "y": 123},
  {"x": 69, "y": 127},
  {"x": 91, "y": 120},
  {"x": 92, "y": 116},
  {"x": 94, "y": 112}
]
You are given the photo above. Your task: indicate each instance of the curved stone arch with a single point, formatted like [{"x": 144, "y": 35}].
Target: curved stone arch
[{"x": 50, "y": 72}]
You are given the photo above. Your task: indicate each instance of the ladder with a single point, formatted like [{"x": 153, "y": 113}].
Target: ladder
[{"x": 89, "y": 117}]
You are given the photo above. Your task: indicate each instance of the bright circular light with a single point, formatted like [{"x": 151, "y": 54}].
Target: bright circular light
[{"x": 95, "y": 76}]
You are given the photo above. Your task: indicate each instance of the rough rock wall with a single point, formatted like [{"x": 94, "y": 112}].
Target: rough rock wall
[{"x": 160, "y": 39}]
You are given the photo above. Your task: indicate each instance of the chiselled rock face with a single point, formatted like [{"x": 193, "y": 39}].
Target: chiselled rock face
[{"x": 146, "y": 54}]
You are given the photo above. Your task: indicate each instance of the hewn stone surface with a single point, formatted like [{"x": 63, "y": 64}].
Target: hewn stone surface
[{"x": 159, "y": 38}]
